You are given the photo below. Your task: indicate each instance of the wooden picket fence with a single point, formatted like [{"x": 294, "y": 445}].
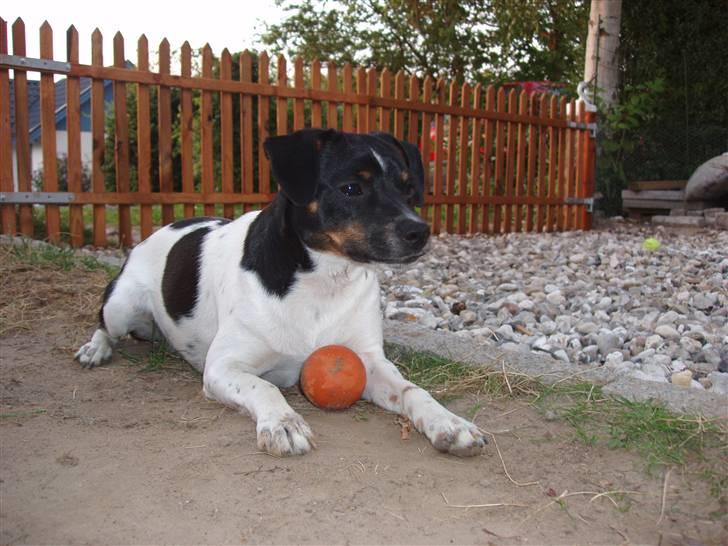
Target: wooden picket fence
[{"x": 496, "y": 161}]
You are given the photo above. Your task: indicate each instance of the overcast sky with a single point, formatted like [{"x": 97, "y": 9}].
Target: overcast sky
[{"x": 234, "y": 25}]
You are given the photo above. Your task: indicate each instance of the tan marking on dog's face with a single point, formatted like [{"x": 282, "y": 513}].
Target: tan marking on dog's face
[
  {"x": 335, "y": 240},
  {"x": 313, "y": 207},
  {"x": 404, "y": 175},
  {"x": 366, "y": 175}
]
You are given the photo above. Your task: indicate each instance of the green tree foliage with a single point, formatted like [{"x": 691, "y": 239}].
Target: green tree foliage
[{"x": 473, "y": 40}]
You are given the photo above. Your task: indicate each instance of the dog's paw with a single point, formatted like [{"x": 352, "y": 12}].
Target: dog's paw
[
  {"x": 95, "y": 352},
  {"x": 287, "y": 435},
  {"x": 454, "y": 435}
]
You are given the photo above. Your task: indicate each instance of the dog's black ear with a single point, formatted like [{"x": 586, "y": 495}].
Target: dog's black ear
[
  {"x": 413, "y": 159},
  {"x": 294, "y": 161}
]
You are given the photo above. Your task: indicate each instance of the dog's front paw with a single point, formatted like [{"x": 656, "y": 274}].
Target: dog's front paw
[
  {"x": 94, "y": 353},
  {"x": 452, "y": 434},
  {"x": 285, "y": 435}
]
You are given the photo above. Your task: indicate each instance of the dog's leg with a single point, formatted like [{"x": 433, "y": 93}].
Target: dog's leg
[
  {"x": 123, "y": 311},
  {"x": 387, "y": 388},
  {"x": 280, "y": 430}
]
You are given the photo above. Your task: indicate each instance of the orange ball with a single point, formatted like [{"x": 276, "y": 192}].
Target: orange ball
[{"x": 333, "y": 377}]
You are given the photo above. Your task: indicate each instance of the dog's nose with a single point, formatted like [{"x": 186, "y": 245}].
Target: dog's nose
[{"x": 413, "y": 233}]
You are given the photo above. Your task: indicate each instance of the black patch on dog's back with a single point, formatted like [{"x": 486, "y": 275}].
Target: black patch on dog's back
[
  {"x": 273, "y": 250},
  {"x": 181, "y": 224},
  {"x": 182, "y": 274}
]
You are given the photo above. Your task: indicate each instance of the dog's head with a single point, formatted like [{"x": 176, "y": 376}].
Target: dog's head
[{"x": 351, "y": 194}]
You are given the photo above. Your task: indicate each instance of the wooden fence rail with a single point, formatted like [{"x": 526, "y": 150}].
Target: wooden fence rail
[{"x": 165, "y": 146}]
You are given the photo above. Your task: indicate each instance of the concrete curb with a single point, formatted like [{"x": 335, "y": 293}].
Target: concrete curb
[{"x": 549, "y": 371}]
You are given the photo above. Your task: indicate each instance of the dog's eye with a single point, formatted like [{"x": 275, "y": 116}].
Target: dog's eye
[{"x": 352, "y": 189}]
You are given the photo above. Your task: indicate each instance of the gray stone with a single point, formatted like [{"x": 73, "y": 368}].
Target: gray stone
[
  {"x": 586, "y": 327},
  {"x": 468, "y": 316},
  {"x": 667, "y": 332},
  {"x": 690, "y": 345},
  {"x": 555, "y": 298},
  {"x": 505, "y": 332},
  {"x": 607, "y": 342},
  {"x": 719, "y": 382}
]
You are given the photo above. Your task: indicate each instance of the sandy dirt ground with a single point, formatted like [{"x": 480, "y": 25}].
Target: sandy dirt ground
[{"x": 119, "y": 455}]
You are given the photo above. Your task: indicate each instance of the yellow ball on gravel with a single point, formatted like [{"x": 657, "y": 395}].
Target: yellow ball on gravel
[{"x": 651, "y": 244}]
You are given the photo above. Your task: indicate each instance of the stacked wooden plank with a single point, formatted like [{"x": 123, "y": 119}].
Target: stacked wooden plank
[{"x": 648, "y": 197}]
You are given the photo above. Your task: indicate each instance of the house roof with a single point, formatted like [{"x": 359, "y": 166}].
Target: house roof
[{"x": 60, "y": 102}]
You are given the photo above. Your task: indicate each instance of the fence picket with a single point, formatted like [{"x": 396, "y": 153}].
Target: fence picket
[
  {"x": 164, "y": 138},
  {"x": 121, "y": 144},
  {"x": 500, "y": 161},
  {"x": 332, "y": 114},
  {"x": 488, "y": 166},
  {"x": 531, "y": 162},
  {"x": 348, "y": 84},
  {"x": 462, "y": 161},
  {"x": 520, "y": 180},
  {"x": 144, "y": 137},
  {"x": 510, "y": 180},
  {"x": 451, "y": 157},
  {"x": 99, "y": 144},
  {"x": 48, "y": 135},
  {"x": 186, "y": 130},
  {"x": 543, "y": 112},
  {"x": 437, "y": 186},
  {"x": 207, "y": 143},
  {"x": 226, "y": 133},
  {"x": 475, "y": 152},
  {"x": 298, "y": 111},
  {"x": 22, "y": 140},
  {"x": 73, "y": 132},
  {"x": 385, "y": 91},
  {"x": 399, "y": 128},
  {"x": 246, "y": 129},
  {"x": 425, "y": 145},
  {"x": 361, "y": 90},
  {"x": 316, "y": 117},
  {"x": 263, "y": 124},
  {"x": 7, "y": 212},
  {"x": 561, "y": 167},
  {"x": 413, "y": 116},
  {"x": 553, "y": 153},
  {"x": 370, "y": 121}
]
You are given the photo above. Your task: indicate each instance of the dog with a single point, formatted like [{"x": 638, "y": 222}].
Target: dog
[{"x": 246, "y": 301}]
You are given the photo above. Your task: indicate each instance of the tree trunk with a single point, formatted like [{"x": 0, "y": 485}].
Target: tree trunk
[{"x": 601, "y": 70}]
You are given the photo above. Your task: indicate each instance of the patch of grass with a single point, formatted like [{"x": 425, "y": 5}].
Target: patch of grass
[
  {"x": 159, "y": 357},
  {"x": 56, "y": 257},
  {"x": 446, "y": 379}
]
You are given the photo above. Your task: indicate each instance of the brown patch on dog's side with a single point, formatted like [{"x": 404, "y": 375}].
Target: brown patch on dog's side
[{"x": 393, "y": 398}]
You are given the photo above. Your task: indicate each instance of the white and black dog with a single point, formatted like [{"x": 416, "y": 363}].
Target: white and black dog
[{"x": 245, "y": 302}]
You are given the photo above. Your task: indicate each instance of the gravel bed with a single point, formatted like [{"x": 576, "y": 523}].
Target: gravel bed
[{"x": 595, "y": 298}]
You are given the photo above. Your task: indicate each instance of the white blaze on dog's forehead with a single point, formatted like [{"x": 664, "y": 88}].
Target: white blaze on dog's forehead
[{"x": 379, "y": 159}]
